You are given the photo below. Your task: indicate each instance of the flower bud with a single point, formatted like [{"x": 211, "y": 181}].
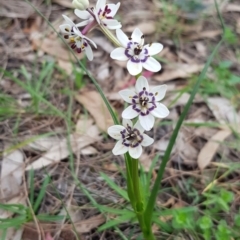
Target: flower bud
[{"x": 80, "y": 4}]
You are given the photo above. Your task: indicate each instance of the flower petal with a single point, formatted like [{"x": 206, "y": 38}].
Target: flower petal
[
  {"x": 161, "y": 111},
  {"x": 89, "y": 52},
  {"x": 146, "y": 140},
  {"x": 114, "y": 131},
  {"x": 122, "y": 37},
  {"x": 77, "y": 32},
  {"x": 65, "y": 28},
  {"x": 112, "y": 23},
  {"x": 152, "y": 65},
  {"x": 154, "y": 48},
  {"x": 141, "y": 84},
  {"x": 159, "y": 92},
  {"x": 138, "y": 126},
  {"x": 127, "y": 95},
  {"x": 95, "y": 12},
  {"x": 82, "y": 14},
  {"x": 114, "y": 8},
  {"x": 129, "y": 113},
  {"x": 83, "y": 23},
  {"x": 134, "y": 68},
  {"x": 91, "y": 41},
  {"x": 147, "y": 121},
  {"x": 119, "y": 54},
  {"x": 127, "y": 122},
  {"x": 119, "y": 148},
  {"x": 135, "y": 152},
  {"x": 137, "y": 35},
  {"x": 68, "y": 20},
  {"x": 100, "y": 4}
]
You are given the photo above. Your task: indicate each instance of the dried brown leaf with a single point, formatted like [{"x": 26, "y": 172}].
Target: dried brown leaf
[
  {"x": 93, "y": 102},
  {"x": 61, "y": 150},
  {"x": 65, "y": 65},
  {"x": 111, "y": 167},
  {"x": 224, "y": 111},
  {"x": 161, "y": 146},
  {"x": 184, "y": 147},
  {"x": 11, "y": 174},
  {"x": 145, "y": 161},
  {"x": 44, "y": 143},
  {"x": 231, "y": 7},
  {"x": 12, "y": 234},
  {"x": 89, "y": 151},
  {"x": 86, "y": 226},
  {"x": 206, "y": 34},
  {"x": 146, "y": 27},
  {"x": 182, "y": 100},
  {"x": 53, "y": 47},
  {"x": 178, "y": 71},
  {"x": 210, "y": 148}
]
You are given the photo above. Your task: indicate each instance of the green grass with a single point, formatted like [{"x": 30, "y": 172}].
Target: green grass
[{"x": 225, "y": 83}]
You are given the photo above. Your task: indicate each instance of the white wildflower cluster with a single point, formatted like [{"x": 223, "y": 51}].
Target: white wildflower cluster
[
  {"x": 143, "y": 104},
  {"x": 144, "y": 101}
]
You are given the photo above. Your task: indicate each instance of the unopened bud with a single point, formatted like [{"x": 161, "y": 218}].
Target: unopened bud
[{"x": 80, "y": 4}]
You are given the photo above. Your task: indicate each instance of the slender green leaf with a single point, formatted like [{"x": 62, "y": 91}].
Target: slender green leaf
[
  {"x": 50, "y": 218},
  {"x": 118, "y": 220},
  {"x": 114, "y": 186},
  {"x": 153, "y": 196},
  {"x": 31, "y": 186},
  {"x": 115, "y": 210},
  {"x": 41, "y": 194}
]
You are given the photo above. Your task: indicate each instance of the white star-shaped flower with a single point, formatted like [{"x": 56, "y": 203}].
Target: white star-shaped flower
[
  {"x": 130, "y": 138},
  {"x": 137, "y": 54},
  {"x": 103, "y": 13},
  {"x": 144, "y": 102},
  {"x": 77, "y": 40}
]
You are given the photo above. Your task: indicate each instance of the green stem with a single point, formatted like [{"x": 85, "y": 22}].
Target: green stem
[
  {"x": 129, "y": 178},
  {"x": 110, "y": 36},
  {"x": 135, "y": 178},
  {"x": 138, "y": 203},
  {"x": 149, "y": 235}
]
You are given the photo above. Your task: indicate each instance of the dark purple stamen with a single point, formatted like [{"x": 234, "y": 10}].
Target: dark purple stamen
[
  {"x": 73, "y": 46},
  {"x": 131, "y": 137},
  {"x": 106, "y": 11}
]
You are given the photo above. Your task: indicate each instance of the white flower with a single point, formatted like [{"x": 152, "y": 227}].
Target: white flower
[
  {"x": 130, "y": 138},
  {"x": 80, "y": 4},
  {"x": 103, "y": 14},
  {"x": 137, "y": 54},
  {"x": 77, "y": 40},
  {"x": 145, "y": 103}
]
